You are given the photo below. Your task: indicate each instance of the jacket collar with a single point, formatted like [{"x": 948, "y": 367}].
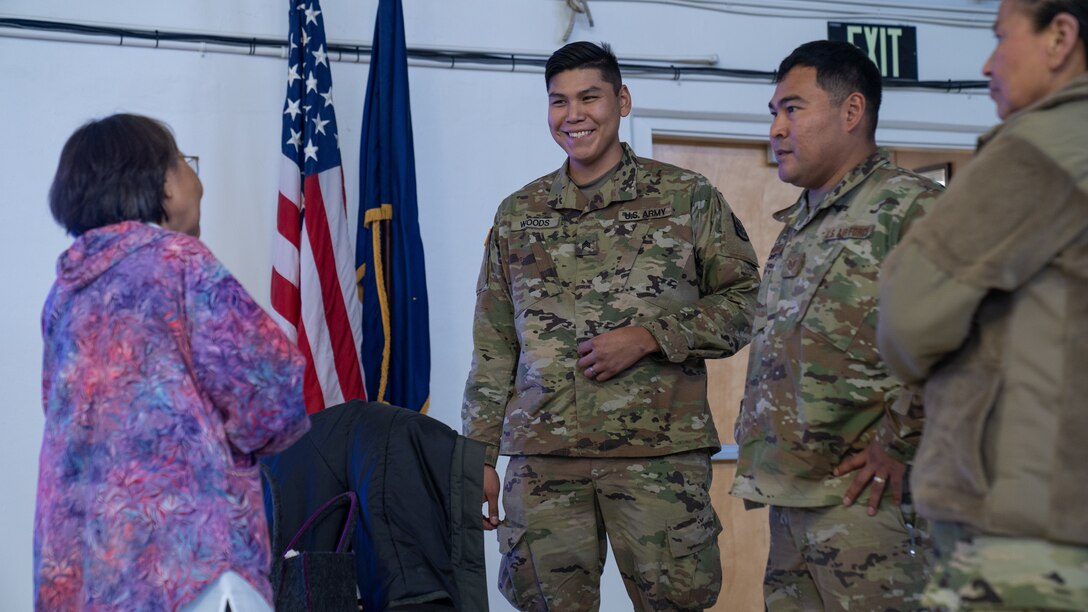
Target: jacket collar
[
  {"x": 800, "y": 213},
  {"x": 625, "y": 185},
  {"x": 1076, "y": 89},
  {"x": 99, "y": 249}
]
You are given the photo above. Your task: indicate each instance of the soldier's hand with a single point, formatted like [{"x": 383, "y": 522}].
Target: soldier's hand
[
  {"x": 614, "y": 351},
  {"x": 877, "y": 470},
  {"x": 491, "y": 497}
]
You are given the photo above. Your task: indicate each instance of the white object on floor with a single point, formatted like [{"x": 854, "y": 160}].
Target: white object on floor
[{"x": 229, "y": 589}]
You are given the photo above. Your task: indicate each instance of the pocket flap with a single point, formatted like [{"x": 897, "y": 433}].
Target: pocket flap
[
  {"x": 509, "y": 536},
  {"x": 694, "y": 533}
]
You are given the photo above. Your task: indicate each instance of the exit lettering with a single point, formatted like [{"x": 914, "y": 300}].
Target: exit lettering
[
  {"x": 878, "y": 40},
  {"x": 893, "y": 48}
]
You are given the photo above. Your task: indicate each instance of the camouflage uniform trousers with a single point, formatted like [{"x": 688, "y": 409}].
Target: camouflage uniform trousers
[
  {"x": 656, "y": 512},
  {"x": 840, "y": 558},
  {"x": 981, "y": 572}
]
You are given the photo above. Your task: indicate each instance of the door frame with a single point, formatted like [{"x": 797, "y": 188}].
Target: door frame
[{"x": 644, "y": 124}]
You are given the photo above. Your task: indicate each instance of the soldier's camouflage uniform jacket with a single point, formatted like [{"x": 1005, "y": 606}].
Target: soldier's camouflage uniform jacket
[
  {"x": 817, "y": 389},
  {"x": 656, "y": 246}
]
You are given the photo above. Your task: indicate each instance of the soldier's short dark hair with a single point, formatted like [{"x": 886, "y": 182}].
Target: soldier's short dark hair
[
  {"x": 112, "y": 170},
  {"x": 1042, "y": 12},
  {"x": 585, "y": 55},
  {"x": 841, "y": 69}
]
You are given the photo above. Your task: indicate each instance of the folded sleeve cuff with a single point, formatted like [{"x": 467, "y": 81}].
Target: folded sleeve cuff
[
  {"x": 673, "y": 342},
  {"x": 491, "y": 455}
]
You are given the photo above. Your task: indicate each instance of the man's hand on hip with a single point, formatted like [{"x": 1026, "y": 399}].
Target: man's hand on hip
[{"x": 874, "y": 466}]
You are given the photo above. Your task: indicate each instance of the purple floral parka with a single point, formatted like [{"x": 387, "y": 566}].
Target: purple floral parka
[{"x": 162, "y": 380}]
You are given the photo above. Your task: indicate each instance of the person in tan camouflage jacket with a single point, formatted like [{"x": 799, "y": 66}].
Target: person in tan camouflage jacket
[
  {"x": 604, "y": 287},
  {"x": 986, "y": 306}
]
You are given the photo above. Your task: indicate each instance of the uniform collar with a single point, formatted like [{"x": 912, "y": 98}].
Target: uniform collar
[
  {"x": 800, "y": 213},
  {"x": 623, "y": 186}
]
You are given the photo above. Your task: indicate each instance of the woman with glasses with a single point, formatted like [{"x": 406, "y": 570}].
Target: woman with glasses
[{"x": 163, "y": 381}]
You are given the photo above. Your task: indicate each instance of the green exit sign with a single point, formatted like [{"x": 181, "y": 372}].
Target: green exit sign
[{"x": 893, "y": 48}]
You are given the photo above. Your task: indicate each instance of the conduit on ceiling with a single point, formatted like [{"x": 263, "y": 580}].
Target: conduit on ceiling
[{"x": 672, "y": 68}]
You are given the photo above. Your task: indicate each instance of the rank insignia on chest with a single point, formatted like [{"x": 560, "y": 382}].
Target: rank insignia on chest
[
  {"x": 793, "y": 265},
  {"x": 586, "y": 247}
]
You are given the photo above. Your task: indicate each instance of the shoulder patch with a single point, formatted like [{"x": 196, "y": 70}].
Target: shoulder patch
[{"x": 738, "y": 227}]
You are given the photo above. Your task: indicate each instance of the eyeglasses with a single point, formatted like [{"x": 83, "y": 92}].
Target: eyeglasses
[{"x": 193, "y": 161}]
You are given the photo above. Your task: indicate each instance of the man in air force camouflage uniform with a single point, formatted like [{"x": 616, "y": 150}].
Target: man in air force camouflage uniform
[
  {"x": 822, "y": 418},
  {"x": 604, "y": 287}
]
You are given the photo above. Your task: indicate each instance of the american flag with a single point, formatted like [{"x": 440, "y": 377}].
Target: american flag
[{"x": 314, "y": 292}]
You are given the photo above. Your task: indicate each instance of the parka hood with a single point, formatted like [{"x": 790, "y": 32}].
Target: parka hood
[{"x": 98, "y": 250}]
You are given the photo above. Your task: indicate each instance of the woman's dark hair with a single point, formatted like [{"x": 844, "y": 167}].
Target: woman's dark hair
[
  {"x": 583, "y": 54},
  {"x": 112, "y": 170},
  {"x": 841, "y": 69},
  {"x": 1042, "y": 12}
]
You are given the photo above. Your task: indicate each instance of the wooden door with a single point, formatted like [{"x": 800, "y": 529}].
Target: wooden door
[{"x": 751, "y": 187}]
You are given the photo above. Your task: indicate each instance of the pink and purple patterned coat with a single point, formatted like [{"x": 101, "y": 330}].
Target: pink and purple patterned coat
[{"x": 162, "y": 381}]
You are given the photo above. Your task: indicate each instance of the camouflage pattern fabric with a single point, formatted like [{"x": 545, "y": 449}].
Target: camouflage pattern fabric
[
  {"x": 817, "y": 390},
  {"x": 839, "y": 558},
  {"x": 656, "y": 246},
  {"x": 657, "y": 513},
  {"x": 982, "y": 572}
]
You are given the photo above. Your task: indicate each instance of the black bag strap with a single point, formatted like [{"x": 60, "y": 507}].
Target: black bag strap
[{"x": 349, "y": 524}]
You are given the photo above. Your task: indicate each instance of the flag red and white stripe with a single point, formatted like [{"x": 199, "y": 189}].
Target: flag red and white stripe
[{"x": 314, "y": 294}]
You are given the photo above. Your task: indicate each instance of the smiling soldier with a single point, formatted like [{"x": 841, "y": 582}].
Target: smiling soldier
[{"x": 604, "y": 287}]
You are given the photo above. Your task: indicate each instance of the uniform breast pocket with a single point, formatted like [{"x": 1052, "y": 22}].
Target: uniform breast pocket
[
  {"x": 663, "y": 267},
  {"x": 533, "y": 275},
  {"x": 842, "y": 310}
]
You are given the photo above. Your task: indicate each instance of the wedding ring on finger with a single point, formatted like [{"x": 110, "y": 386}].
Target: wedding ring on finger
[
  {"x": 591, "y": 372},
  {"x": 878, "y": 480}
]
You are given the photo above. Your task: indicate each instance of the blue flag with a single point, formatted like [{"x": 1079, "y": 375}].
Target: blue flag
[{"x": 396, "y": 348}]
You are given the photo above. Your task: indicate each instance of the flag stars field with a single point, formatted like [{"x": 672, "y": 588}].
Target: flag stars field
[
  {"x": 320, "y": 57},
  {"x": 292, "y": 109}
]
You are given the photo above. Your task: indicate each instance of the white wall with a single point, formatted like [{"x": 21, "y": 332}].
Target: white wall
[{"x": 478, "y": 136}]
